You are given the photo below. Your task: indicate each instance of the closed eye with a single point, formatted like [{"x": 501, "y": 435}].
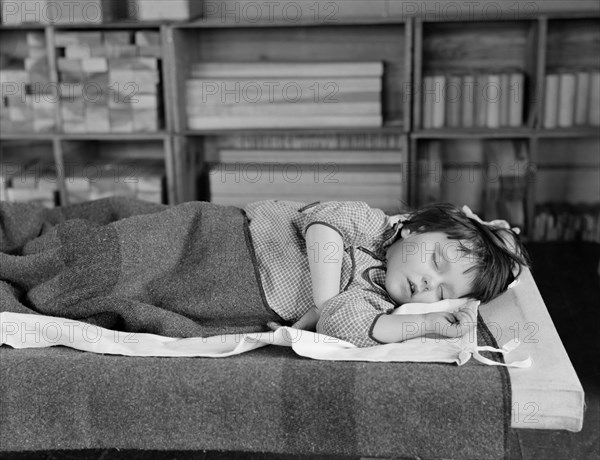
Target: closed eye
[{"x": 434, "y": 259}]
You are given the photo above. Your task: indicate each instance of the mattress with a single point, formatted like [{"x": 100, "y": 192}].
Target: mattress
[{"x": 548, "y": 395}]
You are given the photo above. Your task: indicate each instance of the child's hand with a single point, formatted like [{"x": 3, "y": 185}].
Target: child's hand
[
  {"x": 452, "y": 324},
  {"x": 309, "y": 320}
]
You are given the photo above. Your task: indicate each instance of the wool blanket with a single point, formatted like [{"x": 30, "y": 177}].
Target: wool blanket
[
  {"x": 131, "y": 266},
  {"x": 127, "y": 265}
]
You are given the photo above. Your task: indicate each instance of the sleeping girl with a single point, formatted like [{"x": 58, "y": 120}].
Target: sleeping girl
[{"x": 200, "y": 269}]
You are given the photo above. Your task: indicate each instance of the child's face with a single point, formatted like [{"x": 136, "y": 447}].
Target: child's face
[{"x": 427, "y": 267}]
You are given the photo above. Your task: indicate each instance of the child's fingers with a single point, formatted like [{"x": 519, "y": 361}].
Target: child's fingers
[
  {"x": 466, "y": 316},
  {"x": 308, "y": 321},
  {"x": 273, "y": 325}
]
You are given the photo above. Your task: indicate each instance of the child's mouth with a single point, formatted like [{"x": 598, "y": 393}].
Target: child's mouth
[{"x": 411, "y": 287}]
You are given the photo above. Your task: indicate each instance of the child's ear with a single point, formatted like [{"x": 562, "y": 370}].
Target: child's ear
[{"x": 404, "y": 233}]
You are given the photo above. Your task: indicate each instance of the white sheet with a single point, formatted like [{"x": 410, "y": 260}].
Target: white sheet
[{"x": 35, "y": 331}]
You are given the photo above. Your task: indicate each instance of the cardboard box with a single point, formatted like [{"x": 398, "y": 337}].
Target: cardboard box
[{"x": 15, "y": 12}]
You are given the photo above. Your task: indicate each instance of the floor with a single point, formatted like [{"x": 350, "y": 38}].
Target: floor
[{"x": 568, "y": 278}]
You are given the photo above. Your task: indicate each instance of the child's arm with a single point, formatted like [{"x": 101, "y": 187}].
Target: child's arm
[
  {"x": 325, "y": 250},
  {"x": 397, "y": 328}
]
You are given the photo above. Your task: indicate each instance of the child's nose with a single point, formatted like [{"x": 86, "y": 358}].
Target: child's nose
[{"x": 428, "y": 283}]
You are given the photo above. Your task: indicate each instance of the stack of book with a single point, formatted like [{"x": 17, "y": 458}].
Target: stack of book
[
  {"x": 572, "y": 99},
  {"x": 33, "y": 181},
  {"x": 28, "y": 101},
  {"x": 117, "y": 178},
  {"x": 244, "y": 176},
  {"x": 567, "y": 222},
  {"x": 284, "y": 95},
  {"x": 492, "y": 100},
  {"x": 310, "y": 167},
  {"x": 109, "y": 81}
]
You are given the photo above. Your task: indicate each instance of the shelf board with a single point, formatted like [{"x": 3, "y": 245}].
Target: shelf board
[
  {"x": 213, "y": 23},
  {"x": 125, "y": 24},
  {"x": 141, "y": 136},
  {"x": 396, "y": 129},
  {"x": 579, "y": 131},
  {"x": 23, "y": 27},
  {"x": 26, "y": 136},
  {"x": 472, "y": 133}
]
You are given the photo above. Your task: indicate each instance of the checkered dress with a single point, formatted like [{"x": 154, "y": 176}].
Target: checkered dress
[{"x": 277, "y": 229}]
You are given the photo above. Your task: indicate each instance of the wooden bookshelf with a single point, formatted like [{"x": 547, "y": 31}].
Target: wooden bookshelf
[
  {"x": 93, "y": 144},
  {"x": 351, "y": 40},
  {"x": 536, "y": 46},
  {"x": 411, "y": 42}
]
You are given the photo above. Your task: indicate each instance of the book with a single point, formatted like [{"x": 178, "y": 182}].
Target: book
[
  {"x": 493, "y": 95},
  {"x": 594, "y": 113},
  {"x": 355, "y": 140},
  {"x": 257, "y": 178},
  {"x": 255, "y": 95},
  {"x": 505, "y": 95},
  {"x": 582, "y": 97},
  {"x": 439, "y": 102},
  {"x": 428, "y": 102},
  {"x": 273, "y": 121},
  {"x": 453, "y": 96},
  {"x": 481, "y": 100},
  {"x": 313, "y": 157},
  {"x": 551, "y": 94},
  {"x": 223, "y": 90},
  {"x": 516, "y": 100},
  {"x": 283, "y": 109},
  {"x": 566, "y": 100},
  {"x": 468, "y": 102},
  {"x": 282, "y": 70}
]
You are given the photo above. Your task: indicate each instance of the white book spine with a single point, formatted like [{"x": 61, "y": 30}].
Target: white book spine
[
  {"x": 505, "y": 95},
  {"x": 480, "y": 101},
  {"x": 468, "y": 106},
  {"x": 582, "y": 97},
  {"x": 453, "y": 96},
  {"x": 493, "y": 93},
  {"x": 594, "y": 114},
  {"x": 551, "y": 101},
  {"x": 428, "y": 97},
  {"x": 516, "y": 101},
  {"x": 566, "y": 102},
  {"x": 439, "y": 104}
]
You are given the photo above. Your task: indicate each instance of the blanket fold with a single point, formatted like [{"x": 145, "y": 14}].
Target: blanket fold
[{"x": 133, "y": 266}]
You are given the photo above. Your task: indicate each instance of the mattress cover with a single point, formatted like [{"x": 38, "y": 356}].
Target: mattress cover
[{"x": 548, "y": 395}]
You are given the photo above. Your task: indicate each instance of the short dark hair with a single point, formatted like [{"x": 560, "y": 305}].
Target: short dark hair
[{"x": 498, "y": 253}]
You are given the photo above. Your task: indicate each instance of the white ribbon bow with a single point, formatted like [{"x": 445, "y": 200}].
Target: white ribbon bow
[{"x": 499, "y": 223}]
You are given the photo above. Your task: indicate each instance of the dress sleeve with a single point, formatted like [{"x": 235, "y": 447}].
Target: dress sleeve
[
  {"x": 355, "y": 221},
  {"x": 350, "y": 316}
]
